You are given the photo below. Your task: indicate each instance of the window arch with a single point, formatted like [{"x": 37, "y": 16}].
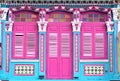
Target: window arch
[{"x": 93, "y": 35}]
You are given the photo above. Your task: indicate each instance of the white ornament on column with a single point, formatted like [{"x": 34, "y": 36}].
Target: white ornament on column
[
  {"x": 118, "y": 26},
  {"x": 115, "y": 13},
  {"x": 4, "y": 14},
  {"x": 10, "y": 26},
  {"x": 109, "y": 27},
  {"x": 42, "y": 26},
  {"x": 76, "y": 25}
]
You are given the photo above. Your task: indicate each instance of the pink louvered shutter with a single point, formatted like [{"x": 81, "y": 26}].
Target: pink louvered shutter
[
  {"x": 99, "y": 46},
  {"x": 53, "y": 44},
  {"x": 31, "y": 40},
  {"x": 19, "y": 45},
  {"x": 65, "y": 44},
  {"x": 87, "y": 44}
]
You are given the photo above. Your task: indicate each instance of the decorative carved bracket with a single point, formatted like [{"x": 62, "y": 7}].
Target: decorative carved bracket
[
  {"x": 3, "y": 13},
  {"x": 9, "y": 25},
  {"x": 42, "y": 26},
  {"x": 115, "y": 13},
  {"x": 110, "y": 27},
  {"x": 76, "y": 25}
]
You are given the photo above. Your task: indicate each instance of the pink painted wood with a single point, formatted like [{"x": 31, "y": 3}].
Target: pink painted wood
[
  {"x": 25, "y": 40},
  {"x": 92, "y": 30},
  {"x": 59, "y": 51}
]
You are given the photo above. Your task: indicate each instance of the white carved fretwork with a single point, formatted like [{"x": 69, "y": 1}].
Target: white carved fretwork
[
  {"x": 3, "y": 13},
  {"x": 76, "y": 15},
  {"x": 110, "y": 26},
  {"x": 42, "y": 26},
  {"x": 9, "y": 25},
  {"x": 76, "y": 25},
  {"x": 115, "y": 13},
  {"x": 118, "y": 26}
]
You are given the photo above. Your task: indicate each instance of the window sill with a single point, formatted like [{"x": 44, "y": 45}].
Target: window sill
[
  {"x": 104, "y": 60},
  {"x": 24, "y": 60}
]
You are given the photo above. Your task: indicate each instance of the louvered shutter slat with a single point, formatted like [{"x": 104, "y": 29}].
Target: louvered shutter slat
[
  {"x": 99, "y": 44},
  {"x": 65, "y": 46},
  {"x": 87, "y": 45},
  {"x": 19, "y": 44},
  {"x": 53, "y": 44},
  {"x": 30, "y": 44}
]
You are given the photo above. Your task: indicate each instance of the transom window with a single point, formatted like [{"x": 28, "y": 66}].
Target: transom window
[
  {"x": 25, "y": 17},
  {"x": 93, "y": 17},
  {"x": 59, "y": 17}
]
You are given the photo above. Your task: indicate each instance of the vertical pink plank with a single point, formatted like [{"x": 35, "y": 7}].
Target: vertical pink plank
[
  {"x": 18, "y": 29},
  {"x": 66, "y": 71},
  {"x": 52, "y": 59}
]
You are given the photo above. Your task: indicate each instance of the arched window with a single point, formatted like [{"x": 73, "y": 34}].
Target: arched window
[
  {"x": 25, "y": 35},
  {"x": 93, "y": 36}
]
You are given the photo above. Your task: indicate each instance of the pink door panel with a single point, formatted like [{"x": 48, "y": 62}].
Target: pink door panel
[
  {"x": 66, "y": 51},
  {"x": 18, "y": 37},
  {"x": 32, "y": 40},
  {"x": 52, "y": 51},
  {"x": 59, "y": 51}
]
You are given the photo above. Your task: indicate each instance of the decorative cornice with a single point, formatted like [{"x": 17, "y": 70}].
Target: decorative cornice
[
  {"x": 61, "y": 2},
  {"x": 30, "y": 8}
]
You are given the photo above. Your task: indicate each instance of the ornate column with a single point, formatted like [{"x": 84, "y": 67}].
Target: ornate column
[
  {"x": 110, "y": 30},
  {"x": 115, "y": 54},
  {"x": 5, "y": 57},
  {"x": 42, "y": 26},
  {"x": 76, "y": 25}
]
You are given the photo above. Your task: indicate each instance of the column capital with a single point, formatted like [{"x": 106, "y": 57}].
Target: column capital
[
  {"x": 3, "y": 13},
  {"x": 115, "y": 13},
  {"x": 9, "y": 26},
  {"x": 42, "y": 26},
  {"x": 76, "y": 25},
  {"x": 110, "y": 27}
]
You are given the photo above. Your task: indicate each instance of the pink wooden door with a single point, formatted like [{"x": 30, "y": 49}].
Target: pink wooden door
[{"x": 59, "y": 51}]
